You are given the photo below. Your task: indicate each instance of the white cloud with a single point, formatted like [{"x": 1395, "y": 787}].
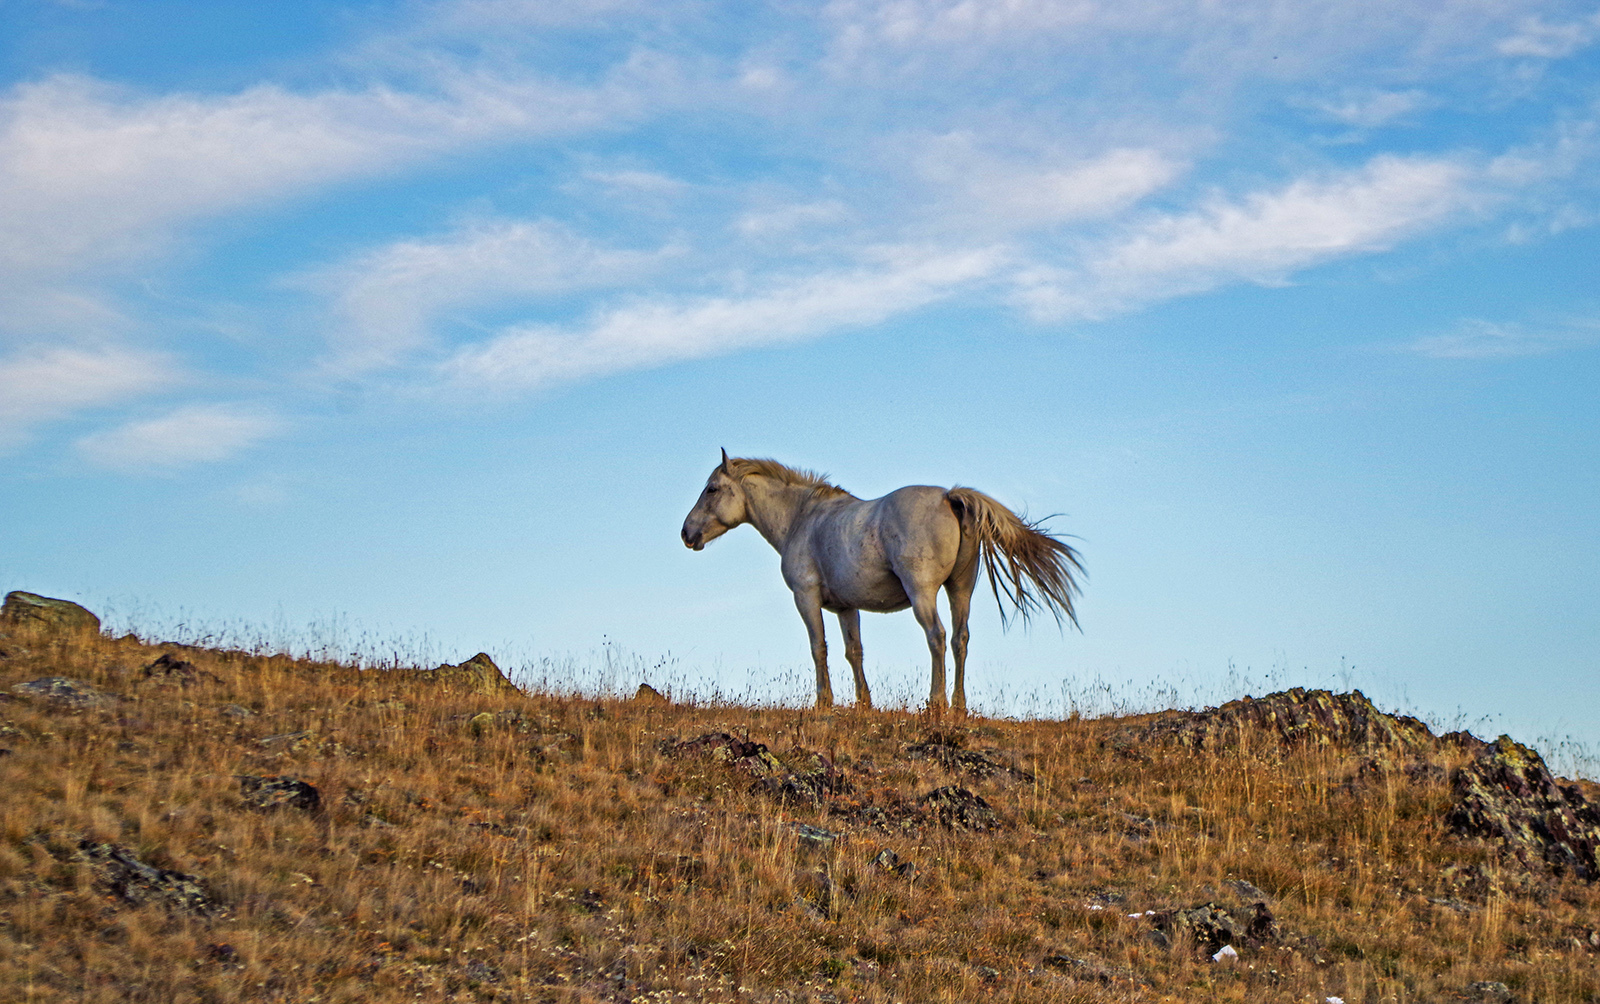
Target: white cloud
[
  {"x": 386, "y": 300},
  {"x": 1260, "y": 238},
  {"x": 652, "y": 334},
  {"x": 40, "y": 385},
  {"x": 1043, "y": 189},
  {"x": 90, "y": 174},
  {"x": 1539, "y": 39},
  {"x": 201, "y": 433},
  {"x": 775, "y": 220},
  {"x": 1368, "y": 109},
  {"x": 1479, "y": 339}
]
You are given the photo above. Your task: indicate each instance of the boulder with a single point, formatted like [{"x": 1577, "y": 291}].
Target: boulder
[
  {"x": 478, "y": 674},
  {"x": 29, "y": 611},
  {"x": 64, "y": 693},
  {"x": 171, "y": 671},
  {"x": 1508, "y": 795},
  {"x": 948, "y": 753},
  {"x": 647, "y": 694}
]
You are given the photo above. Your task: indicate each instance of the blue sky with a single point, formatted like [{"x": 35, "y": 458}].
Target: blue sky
[{"x": 424, "y": 322}]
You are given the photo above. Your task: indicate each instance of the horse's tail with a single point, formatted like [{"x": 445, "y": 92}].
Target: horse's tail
[{"x": 1032, "y": 567}]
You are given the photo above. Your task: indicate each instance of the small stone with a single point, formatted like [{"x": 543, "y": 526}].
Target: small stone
[
  {"x": 959, "y": 808},
  {"x": 815, "y": 836},
  {"x": 1489, "y": 992},
  {"x": 481, "y": 724},
  {"x": 889, "y": 862},
  {"x": 177, "y": 672},
  {"x": 273, "y": 792},
  {"x": 237, "y": 711},
  {"x": 988, "y": 974}
]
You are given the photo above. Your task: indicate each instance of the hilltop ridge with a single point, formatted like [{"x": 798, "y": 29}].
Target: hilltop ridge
[{"x": 183, "y": 824}]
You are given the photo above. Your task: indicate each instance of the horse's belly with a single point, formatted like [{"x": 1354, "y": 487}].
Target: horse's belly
[{"x": 875, "y": 594}]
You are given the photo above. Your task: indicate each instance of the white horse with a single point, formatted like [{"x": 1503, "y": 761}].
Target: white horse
[{"x": 845, "y": 554}]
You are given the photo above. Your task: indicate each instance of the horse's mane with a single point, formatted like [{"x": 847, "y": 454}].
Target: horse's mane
[{"x": 818, "y": 483}]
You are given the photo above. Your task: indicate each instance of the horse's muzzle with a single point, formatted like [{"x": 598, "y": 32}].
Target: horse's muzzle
[{"x": 695, "y": 543}]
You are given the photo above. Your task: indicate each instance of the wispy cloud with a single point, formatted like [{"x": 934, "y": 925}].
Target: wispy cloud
[
  {"x": 654, "y": 333},
  {"x": 194, "y": 434},
  {"x": 1369, "y": 108},
  {"x": 44, "y": 384},
  {"x": 1263, "y": 237},
  {"x": 90, "y": 173},
  {"x": 1537, "y": 38},
  {"x": 386, "y": 300},
  {"x": 1045, "y": 189},
  {"x": 1480, "y": 339}
]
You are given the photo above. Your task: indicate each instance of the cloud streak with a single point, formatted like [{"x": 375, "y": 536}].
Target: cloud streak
[
  {"x": 1263, "y": 237},
  {"x": 193, "y": 434},
  {"x": 653, "y": 334},
  {"x": 45, "y": 384}
]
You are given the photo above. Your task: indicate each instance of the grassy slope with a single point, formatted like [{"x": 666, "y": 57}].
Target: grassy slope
[{"x": 560, "y": 855}]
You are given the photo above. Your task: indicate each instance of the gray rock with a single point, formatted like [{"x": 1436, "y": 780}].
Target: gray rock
[
  {"x": 65, "y": 693},
  {"x": 958, "y": 808},
  {"x": 175, "y": 672},
  {"x": 273, "y": 792},
  {"x": 889, "y": 862},
  {"x": 133, "y": 881},
  {"x": 1490, "y": 992},
  {"x": 29, "y": 611},
  {"x": 1508, "y": 795}
]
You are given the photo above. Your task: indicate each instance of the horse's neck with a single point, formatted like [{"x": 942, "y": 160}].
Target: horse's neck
[{"x": 773, "y": 508}]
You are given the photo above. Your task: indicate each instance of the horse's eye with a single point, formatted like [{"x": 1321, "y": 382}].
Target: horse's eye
[{"x": 711, "y": 489}]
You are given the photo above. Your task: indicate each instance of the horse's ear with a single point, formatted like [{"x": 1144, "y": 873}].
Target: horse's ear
[{"x": 724, "y": 468}]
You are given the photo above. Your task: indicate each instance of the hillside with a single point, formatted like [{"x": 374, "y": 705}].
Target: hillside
[{"x": 190, "y": 825}]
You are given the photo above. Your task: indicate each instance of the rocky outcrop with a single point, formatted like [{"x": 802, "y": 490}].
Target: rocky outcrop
[
  {"x": 647, "y": 694},
  {"x": 947, "y": 752},
  {"x": 1508, "y": 795},
  {"x": 478, "y": 674},
  {"x": 31, "y": 612},
  {"x": 137, "y": 883},
  {"x": 1296, "y": 717},
  {"x": 808, "y": 779},
  {"x": 60, "y": 692}
]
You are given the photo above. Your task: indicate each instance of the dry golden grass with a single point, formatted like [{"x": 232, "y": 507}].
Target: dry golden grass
[{"x": 559, "y": 855}]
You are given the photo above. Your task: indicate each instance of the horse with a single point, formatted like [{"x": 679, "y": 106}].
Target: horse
[{"x": 845, "y": 554}]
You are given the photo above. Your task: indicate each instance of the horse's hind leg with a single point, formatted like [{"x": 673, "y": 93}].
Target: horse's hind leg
[
  {"x": 850, "y": 624},
  {"x": 810, "y": 607},
  {"x": 925, "y": 605},
  {"x": 960, "y": 607}
]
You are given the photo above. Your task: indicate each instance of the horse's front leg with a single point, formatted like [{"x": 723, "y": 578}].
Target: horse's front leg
[
  {"x": 810, "y": 607},
  {"x": 850, "y": 624}
]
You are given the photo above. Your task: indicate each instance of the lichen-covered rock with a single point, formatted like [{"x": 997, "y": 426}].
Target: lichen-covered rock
[
  {"x": 1209, "y": 926},
  {"x": 1296, "y": 717},
  {"x": 958, "y": 808},
  {"x": 274, "y": 792},
  {"x": 478, "y": 674},
  {"x": 136, "y": 882},
  {"x": 952, "y": 757},
  {"x": 810, "y": 780},
  {"x": 1508, "y": 795},
  {"x": 29, "y": 611},
  {"x": 65, "y": 693}
]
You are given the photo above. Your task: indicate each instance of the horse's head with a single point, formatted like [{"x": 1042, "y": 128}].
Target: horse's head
[{"x": 720, "y": 508}]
